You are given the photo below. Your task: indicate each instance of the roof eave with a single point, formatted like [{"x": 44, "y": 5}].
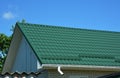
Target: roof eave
[{"x": 81, "y": 67}]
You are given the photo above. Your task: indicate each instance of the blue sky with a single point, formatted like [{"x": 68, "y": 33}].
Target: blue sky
[{"x": 87, "y": 14}]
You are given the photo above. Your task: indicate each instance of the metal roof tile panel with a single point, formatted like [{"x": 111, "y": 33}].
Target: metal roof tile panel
[{"x": 62, "y": 45}]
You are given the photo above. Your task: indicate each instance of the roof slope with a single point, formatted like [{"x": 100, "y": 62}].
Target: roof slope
[{"x": 62, "y": 45}]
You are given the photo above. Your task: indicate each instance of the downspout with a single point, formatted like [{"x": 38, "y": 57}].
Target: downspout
[{"x": 59, "y": 70}]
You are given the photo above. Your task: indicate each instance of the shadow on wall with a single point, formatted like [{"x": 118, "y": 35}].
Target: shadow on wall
[{"x": 113, "y": 75}]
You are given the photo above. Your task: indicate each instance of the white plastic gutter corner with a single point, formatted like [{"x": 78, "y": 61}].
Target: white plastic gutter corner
[{"x": 59, "y": 70}]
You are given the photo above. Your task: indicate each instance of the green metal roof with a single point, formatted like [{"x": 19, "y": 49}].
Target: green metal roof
[{"x": 72, "y": 46}]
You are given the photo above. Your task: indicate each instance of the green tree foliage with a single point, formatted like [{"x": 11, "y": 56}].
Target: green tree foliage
[
  {"x": 23, "y": 21},
  {"x": 12, "y": 29},
  {"x": 4, "y": 45},
  {"x": 13, "y": 26},
  {"x": 4, "y": 42}
]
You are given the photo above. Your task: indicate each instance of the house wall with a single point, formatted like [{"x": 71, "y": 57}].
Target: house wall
[
  {"x": 25, "y": 60},
  {"x": 17, "y": 36},
  {"x": 77, "y": 74}
]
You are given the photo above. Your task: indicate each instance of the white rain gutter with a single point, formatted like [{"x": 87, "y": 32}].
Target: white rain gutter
[{"x": 80, "y": 67}]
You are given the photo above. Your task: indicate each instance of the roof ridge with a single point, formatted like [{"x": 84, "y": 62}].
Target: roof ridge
[{"x": 94, "y": 30}]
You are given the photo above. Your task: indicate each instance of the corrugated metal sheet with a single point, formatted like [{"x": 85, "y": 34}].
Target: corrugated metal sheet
[{"x": 20, "y": 75}]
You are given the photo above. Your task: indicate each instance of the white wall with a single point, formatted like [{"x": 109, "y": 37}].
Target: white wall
[{"x": 25, "y": 60}]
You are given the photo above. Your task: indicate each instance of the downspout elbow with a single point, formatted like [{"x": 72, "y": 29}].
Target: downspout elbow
[{"x": 60, "y": 71}]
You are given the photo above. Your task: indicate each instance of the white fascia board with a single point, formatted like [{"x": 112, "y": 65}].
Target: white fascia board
[{"x": 81, "y": 67}]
